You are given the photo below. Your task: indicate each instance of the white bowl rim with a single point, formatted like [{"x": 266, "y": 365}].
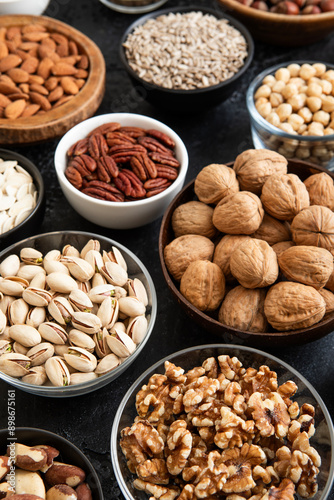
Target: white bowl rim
[
  {"x": 60, "y": 168},
  {"x": 170, "y": 357},
  {"x": 75, "y": 390}
]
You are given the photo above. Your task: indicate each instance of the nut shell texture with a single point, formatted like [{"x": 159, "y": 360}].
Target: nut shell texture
[
  {"x": 314, "y": 226},
  {"x": 243, "y": 309},
  {"x": 224, "y": 250},
  {"x": 254, "y": 264},
  {"x": 239, "y": 213},
  {"x": 284, "y": 196},
  {"x": 309, "y": 265},
  {"x": 290, "y": 306},
  {"x": 254, "y": 166},
  {"x": 272, "y": 230},
  {"x": 321, "y": 190},
  {"x": 203, "y": 284},
  {"x": 193, "y": 217},
  {"x": 184, "y": 250},
  {"x": 214, "y": 182}
]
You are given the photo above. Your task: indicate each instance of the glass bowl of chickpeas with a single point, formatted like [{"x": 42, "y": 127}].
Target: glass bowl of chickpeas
[{"x": 291, "y": 108}]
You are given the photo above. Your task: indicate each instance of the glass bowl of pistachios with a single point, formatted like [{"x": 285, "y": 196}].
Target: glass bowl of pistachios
[{"x": 76, "y": 309}]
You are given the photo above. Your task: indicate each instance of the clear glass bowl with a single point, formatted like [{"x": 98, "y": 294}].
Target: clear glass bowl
[
  {"x": 133, "y": 6},
  {"x": 136, "y": 269},
  {"x": 323, "y": 440},
  {"x": 318, "y": 150}
]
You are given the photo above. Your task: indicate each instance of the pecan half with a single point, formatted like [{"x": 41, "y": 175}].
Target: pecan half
[
  {"x": 118, "y": 137},
  {"x": 168, "y": 141},
  {"x": 152, "y": 144},
  {"x": 78, "y": 148},
  {"x": 164, "y": 159},
  {"x": 106, "y": 168},
  {"x": 74, "y": 176},
  {"x": 166, "y": 172},
  {"x": 143, "y": 166},
  {"x": 133, "y": 131},
  {"x": 105, "y": 128},
  {"x": 97, "y": 146},
  {"x": 130, "y": 184}
]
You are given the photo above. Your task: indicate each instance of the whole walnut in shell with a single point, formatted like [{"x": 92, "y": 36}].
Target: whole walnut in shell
[
  {"x": 224, "y": 250},
  {"x": 314, "y": 226},
  {"x": 203, "y": 284},
  {"x": 284, "y": 196},
  {"x": 272, "y": 230},
  {"x": 180, "y": 252},
  {"x": 290, "y": 306},
  {"x": 243, "y": 309},
  {"x": 321, "y": 189},
  {"x": 281, "y": 246},
  {"x": 254, "y": 264},
  {"x": 239, "y": 213},
  {"x": 193, "y": 217},
  {"x": 306, "y": 264},
  {"x": 329, "y": 299},
  {"x": 214, "y": 182},
  {"x": 254, "y": 166}
]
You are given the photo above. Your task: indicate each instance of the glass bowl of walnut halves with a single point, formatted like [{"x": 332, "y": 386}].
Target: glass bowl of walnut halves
[{"x": 222, "y": 422}]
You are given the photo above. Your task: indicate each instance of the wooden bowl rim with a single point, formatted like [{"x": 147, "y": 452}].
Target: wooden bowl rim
[
  {"x": 85, "y": 97},
  {"x": 278, "y": 18},
  {"x": 204, "y": 317}
]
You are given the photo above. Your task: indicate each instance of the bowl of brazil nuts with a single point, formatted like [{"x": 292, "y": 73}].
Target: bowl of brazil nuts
[
  {"x": 121, "y": 170},
  {"x": 291, "y": 108},
  {"x": 98, "y": 321},
  {"x": 46, "y": 465},
  {"x": 243, "y": 417},
  {"x": 171, "y": 57}
]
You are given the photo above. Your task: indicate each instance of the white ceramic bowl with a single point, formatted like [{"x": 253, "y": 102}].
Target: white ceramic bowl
[
  {"x": 32, "y": 7},
  {"x": 118, "y": 215}
]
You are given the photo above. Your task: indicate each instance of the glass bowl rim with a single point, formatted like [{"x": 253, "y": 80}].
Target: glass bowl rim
[
  {"x": 268, "y": 127},
  {"x": 189, "y": 350},
  {"x": 95, "y": 384}
]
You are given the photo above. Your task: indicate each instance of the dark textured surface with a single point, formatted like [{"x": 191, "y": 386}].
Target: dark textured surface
[{"x": 216, "y": 136}]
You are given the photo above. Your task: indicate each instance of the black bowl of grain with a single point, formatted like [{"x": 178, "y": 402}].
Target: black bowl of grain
[{"x": 185, "y": 60}]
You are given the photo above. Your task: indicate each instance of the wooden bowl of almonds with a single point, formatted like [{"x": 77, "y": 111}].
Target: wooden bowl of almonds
[
  {"x": 171, "y": 82},
  {"x": 245, "y": 251},
  {"x": 52, "y": 76}
]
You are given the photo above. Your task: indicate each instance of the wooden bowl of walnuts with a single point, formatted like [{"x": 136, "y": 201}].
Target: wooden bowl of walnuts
[{"x": 247, "y": 250}]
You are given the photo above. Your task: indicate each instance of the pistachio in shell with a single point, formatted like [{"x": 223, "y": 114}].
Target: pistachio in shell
[
  {"x": 291, "y": 306},
  {"x": 193, "y": 217},
  {"x": 320, "y": 188},
  {"x": 239, "y": 213},
  {"x": 180, "y": 252},
  {"x": 254, "y": 166},
  {"x": 314, "y": 226},
  {"x": 307, "y": 264},
  {"x": 214, "y": 182},
  {"x": 254, "y": 264},
  {"x": 243, "y": 309},
  {"x": 284, "y": 196},
  {"x": 203, "y": 285}
]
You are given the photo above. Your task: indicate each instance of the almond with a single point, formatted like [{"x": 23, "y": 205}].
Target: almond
[
  {"x": 18, "y": 75},
  {"x": 44, "y": 68},
  {"x": 28, "y": 46},
  {"x": 62, "y": 49},
  {"x": 2, "y": 112},
  {"x": 73, "y": 48},
  {"x": 69, "y": 86},
  {"x": 62, "y": 100},
  {"x": 7, "y": 88},
  {"x": 56, "y": 94},
  {"x": 81, "y": 73},
  {"x": 51, "y": 83},
  {"x": 63, "y": 69},
  {"x": 22, "y": 54},
  {"x": 28, "y": 28},
  {"x": 33, "y": 52},
  {"x": 41, "y": 100},
  {"x": 49, "y": 42},
  {"x": 59, "y": 39},
  {"x": 24, "y": 87},
  {"x": 3, "y": 32},
  {"x": 45, "y": 51},
  {"x": 35, "y": 87},
  {"x": 30, "y": 65},
  {"x": 84, "y": 63},
  {"x": 9, "y": 62},
  {"x": 36, "y": 79},
  {"x": 4, "y": 101},
  {"x": 30, "y": 110},
  {"x": 17, "y": 95},
  {"x": 70, "y": 59},
  {"x": 3, "y": 50},
  {"x": 80, "y": 82},
  {"x": 13, "y": 32},
  {"x": 15, "y": 109},
  {"x": 35, "y": 36}
]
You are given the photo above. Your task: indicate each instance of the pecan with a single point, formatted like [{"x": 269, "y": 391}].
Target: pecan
[
  {"x": 152, "y": 144},
  {"x": 102, "y": 194},
  {"x": 74, "y": 176},
  {"x": 78, "y": 148},
  {"x": 133, "y": 131},
  {"x": 79, "y": 165},
  {"x": 130, "y": 184},
  {"x": 104, "y": 185},
  {"x": 105, "y": 128},
  {"x": 166, "y": 172},
  {"x": 127, "y": 149},
  {"x": 118, "y": 137},
  {"x": 168, "y": 141},
  {"x": 108, "y": 166},
  {"x": 158, "y": 182},
  {"x": 143, "y": 166},
  {"x": 164, "y": 159},
  {"x": 97, "y": 146},
  {"x": 89, "y": 162}
]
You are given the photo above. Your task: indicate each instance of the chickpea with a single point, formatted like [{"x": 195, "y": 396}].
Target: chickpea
[
  {"x": 314, "y": 79},
  {"x": 263, "y": 108},
  {"x": 314, "y": 89},
  {"x": 297, "y": 81},
  {"x": 294, "y": 69},
  {"x": 286, "y": 127},
  {"x": 320, "y": 68},
  {"x": 263, "y": 91},
  {"x": 319, "y": 151},
  {"x": 295, "y": 121},
  {"x": 302, "y": 129},
  {"x": 269, "y": 80},
  {"x": 297, "y": 101},
  {"x": 321, "y": 117},
  {"x": 306, "y": 114},
  {"x": 327, "y": 103},
  {"x": 329, "y": 75},
  {"x": 316, "y": 128},
  {"x": 331, "y": 124},
  {"x": 284, "y": 111},
  {"x": 289, "y": 90},
  {"x": 279, "y": 86},
  {"x": 282, "y": 74},
  {"x": 326, "y": 86},
  {"x": 275, "y": 99},
  {"x": 285, "y": 152},
  {"x": 329, "y": 131},
  {"x": 314, "y": 103},
  {"x": 303, "y": 152},
  {"x": 273, "y": 118},
  {"x": 307, "y": 71}
]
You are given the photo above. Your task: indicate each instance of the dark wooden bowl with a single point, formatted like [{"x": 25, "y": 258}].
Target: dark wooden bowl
[
  {"x": 57, "y": 121},
  {"x": 272, "y": 338},
  {"x": 281, "y": 29}
]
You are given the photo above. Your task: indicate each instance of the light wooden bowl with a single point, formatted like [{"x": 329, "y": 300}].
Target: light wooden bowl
[
  {"x": 57, "y": 121},
  {"x": 281, "y": 29}
]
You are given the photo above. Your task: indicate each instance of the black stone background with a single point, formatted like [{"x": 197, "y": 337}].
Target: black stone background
[{"x": 216, "y": 136}]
